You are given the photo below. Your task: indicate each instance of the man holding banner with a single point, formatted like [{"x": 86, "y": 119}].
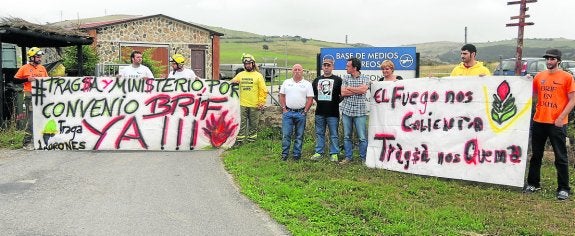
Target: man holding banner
[
  {"x": 253, "y": 92},
  {"x": 136, "y": 70},
  {"x": 354, "y": 109},
  {"x": 555, "y": 93},
  {"x": 469, "y": 66},
  {"x": 26, "y": 74}
]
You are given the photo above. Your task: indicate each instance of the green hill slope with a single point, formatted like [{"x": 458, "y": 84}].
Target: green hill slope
[
  {"x": 448, "y": 52},
  {"x": 303, "y": 51},
  {"x": 295, "y": 48}
]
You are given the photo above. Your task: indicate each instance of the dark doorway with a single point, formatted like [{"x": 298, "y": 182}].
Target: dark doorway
[{"x": 198, "y": 58}]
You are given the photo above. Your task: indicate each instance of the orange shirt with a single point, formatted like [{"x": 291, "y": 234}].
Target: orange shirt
[
  {"x": 552, "y": 95},
  {"x": 27, "y": 71}
]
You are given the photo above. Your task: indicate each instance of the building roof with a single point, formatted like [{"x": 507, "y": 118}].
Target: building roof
[
  {"x": 25, "y": 34},
  {"x": 99, "y": 22}
]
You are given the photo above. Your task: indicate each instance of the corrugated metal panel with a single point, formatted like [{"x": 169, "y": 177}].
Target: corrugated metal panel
[{"x": 9, "y": 56}]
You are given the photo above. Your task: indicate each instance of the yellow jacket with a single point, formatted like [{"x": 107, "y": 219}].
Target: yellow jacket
[
  {"x": 253, "y": 90},
  {"x": 477, "y": 69}
]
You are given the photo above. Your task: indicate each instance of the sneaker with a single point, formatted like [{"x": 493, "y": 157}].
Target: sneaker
[
  {"x": 334, "y": 158},
  {"x": 531, "y": 189},
  {"x": 316, "y": 157},
  {"x": 284, "y": 158},
  {"x": 562, "y": 195},
  {"x": 345, "y": 161}
]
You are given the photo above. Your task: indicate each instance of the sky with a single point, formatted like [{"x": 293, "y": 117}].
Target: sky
[{"x": 375, "y": 22}]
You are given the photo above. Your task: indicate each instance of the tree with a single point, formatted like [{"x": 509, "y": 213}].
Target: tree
[
  {"x": 155, "y": 66},
  {"x": 89, "y": 57},
  {"x": 265, "y": 47}
]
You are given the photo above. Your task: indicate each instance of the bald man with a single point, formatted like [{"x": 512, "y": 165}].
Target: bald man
[{"x": 296, "y": 97}]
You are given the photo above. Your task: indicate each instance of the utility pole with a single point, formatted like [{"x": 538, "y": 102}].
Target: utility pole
[
  {"x": 465, "y": 35},
  {"x": 521, "y": 25}
]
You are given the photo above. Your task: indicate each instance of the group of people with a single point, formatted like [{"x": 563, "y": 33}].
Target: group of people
[
  {"x": 554, "y": 91},
  {"x": 137, "y": 70},
  {"x": 335, "y": 96}
]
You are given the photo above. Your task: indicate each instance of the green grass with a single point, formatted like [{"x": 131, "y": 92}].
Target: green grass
[
  {"x": 11, "y": 138},
  {"x": 297, "y": 51},
  {"x": 323, "y": 198}
]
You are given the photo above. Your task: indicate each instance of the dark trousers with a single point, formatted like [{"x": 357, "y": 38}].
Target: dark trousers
[
  {"x": 539, "y": 134},
  {"x": 29, "y": 119}
]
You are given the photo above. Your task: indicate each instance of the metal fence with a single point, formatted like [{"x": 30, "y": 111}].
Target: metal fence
[{"x": 108, "y": 69}]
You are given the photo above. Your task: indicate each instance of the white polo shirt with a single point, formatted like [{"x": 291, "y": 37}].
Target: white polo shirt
[{"x": 296, "y": 93}]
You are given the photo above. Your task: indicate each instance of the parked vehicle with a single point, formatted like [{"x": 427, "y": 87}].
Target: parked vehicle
[
  {"x": 529, "y": 66},
  {"x": 268, "y": 70},
  {"x": 568, "y": 65}
]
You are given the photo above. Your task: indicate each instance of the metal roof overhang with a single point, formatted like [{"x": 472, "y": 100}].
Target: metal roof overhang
[{"x": 25, "y": 38}]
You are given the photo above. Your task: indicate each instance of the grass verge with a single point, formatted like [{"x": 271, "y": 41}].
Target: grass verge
[
  {"x": 11, "y": 138},
  {"x": 323, "y": 198}
]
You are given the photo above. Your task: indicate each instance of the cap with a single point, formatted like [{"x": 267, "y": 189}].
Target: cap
[
  {"x": 553, "y": 53},
  {"x": 328, "y": 61}
]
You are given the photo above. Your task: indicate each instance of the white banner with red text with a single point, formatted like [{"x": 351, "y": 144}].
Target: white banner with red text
[
  {"x": 468, "y": 128},
  {"x": 107, "y": 113}
]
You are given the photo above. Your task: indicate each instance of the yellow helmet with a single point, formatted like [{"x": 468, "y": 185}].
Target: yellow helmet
[
  {"x": 34, "y": 51},
  {"x": 248, "y": 58},
  {"x": 178, "y": 58}
]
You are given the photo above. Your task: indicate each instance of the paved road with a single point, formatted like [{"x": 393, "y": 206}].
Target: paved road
[{"x": 124, "y": 193}]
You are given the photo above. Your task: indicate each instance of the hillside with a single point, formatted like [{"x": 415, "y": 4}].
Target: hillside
[
  {"x": 303, "y": 50},
  {"x": 272, "y": 49},
  {"x": 448, "y": 52}
]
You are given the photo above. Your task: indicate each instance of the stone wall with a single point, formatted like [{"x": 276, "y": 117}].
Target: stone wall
[
  {"x": 272, "y": 117},
  {"x": 153, "y": 31}
]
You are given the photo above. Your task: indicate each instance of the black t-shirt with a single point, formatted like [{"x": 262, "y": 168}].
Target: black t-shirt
[
  {"x": 327, "y": 91},
  {"x": 396, "y": 77}
]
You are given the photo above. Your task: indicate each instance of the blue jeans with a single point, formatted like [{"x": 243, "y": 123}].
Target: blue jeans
[
  {"x": 360, "y": 124},
  {"x": 320, "y": 123},
  {"x": 292, "y": 121}
]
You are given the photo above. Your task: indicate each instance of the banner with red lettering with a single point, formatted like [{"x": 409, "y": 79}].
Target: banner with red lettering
[
  {"x": 107, "y": 113},
  {"x": 469, "y": 128}
]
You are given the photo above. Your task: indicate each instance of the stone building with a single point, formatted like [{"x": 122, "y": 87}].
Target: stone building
[{"x": 116, "y": 36}]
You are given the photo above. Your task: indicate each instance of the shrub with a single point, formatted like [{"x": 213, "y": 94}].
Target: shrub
[{"x": 90, "y": 59}]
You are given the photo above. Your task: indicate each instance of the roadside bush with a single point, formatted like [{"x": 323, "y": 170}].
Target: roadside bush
[
  {"x": 11, "y": 137},
  {"x": 70, "y": 61}
]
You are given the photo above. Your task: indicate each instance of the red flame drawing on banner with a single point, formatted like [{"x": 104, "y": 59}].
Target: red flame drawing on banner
[{"x": 218, "y": 129}]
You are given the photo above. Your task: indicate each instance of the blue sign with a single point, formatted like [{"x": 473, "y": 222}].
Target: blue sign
[{"x": 402, "y": 57}]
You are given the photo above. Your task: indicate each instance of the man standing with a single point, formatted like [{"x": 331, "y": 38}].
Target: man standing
[
  {"x": 178, "y": 62},
  {"x": 354, "y": 109},
  {"x": 296, "y": 97},
  {"x": 136, "y": 70},
  {"x": 555, "y": 93},
  {"x": 253, "y": 92},
  {"x": 327, "y": 90},
  {"x": 27, "y": 73},
  {"x": 469, "y": 66}
]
